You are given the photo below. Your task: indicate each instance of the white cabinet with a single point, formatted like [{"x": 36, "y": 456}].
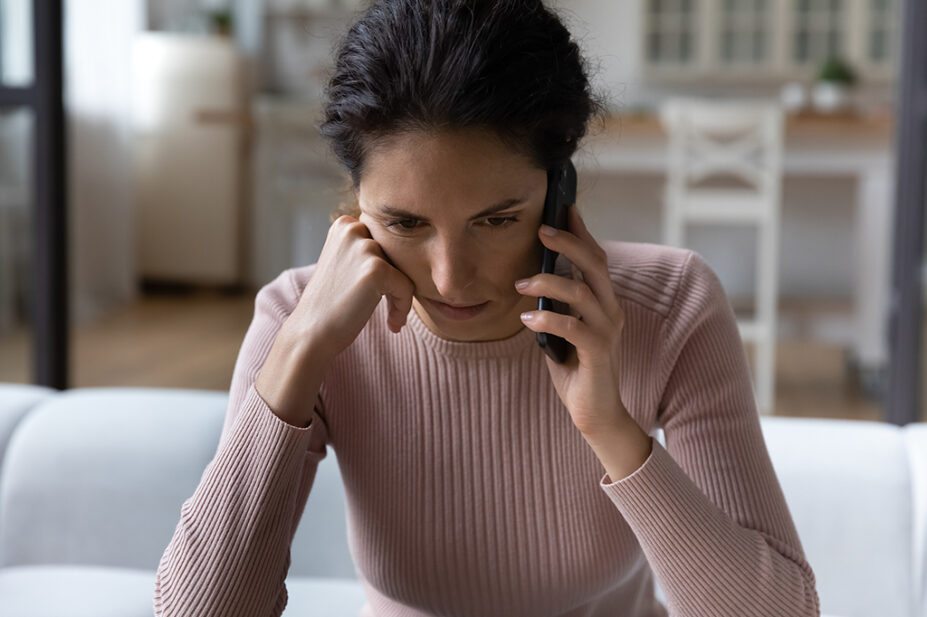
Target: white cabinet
[
  {"x": 190, "y": 121},
  {"x": 752, "y": 40}
]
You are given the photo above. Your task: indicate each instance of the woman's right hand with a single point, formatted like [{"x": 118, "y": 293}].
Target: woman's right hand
[{"x": 351, "y": 276}]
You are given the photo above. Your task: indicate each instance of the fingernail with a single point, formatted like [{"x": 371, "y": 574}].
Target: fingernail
[
  {"x": 547, "y": 230},
  {"x": 527, "y": 316},
  {"x": 521, "y": 284}
]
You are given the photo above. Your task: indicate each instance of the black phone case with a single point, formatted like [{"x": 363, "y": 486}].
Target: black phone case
[{"x": 561, "y": 194}]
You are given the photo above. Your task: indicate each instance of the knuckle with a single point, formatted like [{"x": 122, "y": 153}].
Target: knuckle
[
  {"x": 351, "y": 225},
  {"x": 372, "y": 270},
  {"x": 583, "y": 294},
  {"x": 369, "y": 245},
  {"x": 344, "y": 220},
  {"x": 572, "y": 325}
]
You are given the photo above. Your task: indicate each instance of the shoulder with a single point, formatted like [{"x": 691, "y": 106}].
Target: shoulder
[{"x": 654, "y": 276}]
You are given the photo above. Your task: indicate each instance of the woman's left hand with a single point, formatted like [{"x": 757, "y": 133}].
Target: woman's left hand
[{"x": 588, "y": 379}]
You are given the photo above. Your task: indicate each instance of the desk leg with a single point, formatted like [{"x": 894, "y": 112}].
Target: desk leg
[{"x": 875, "y": 214}]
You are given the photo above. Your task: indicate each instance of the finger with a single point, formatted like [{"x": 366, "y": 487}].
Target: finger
[
  {"x": 591, "y": 260},
  {"x": 399, "y": 290},
  {"x": 578, "y": 225},
  {"x": 577, "y": 332},
  {"x": 577, "y": 294}
]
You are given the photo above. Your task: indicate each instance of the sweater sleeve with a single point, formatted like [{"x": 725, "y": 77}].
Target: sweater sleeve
[
  {"x": 708, "y": 509},
  {"x": 230, "y": 551}
]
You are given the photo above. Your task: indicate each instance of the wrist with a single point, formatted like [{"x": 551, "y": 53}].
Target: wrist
[
  {"x": 290, "y": 378},
  {"x": 622, "y": 450}
]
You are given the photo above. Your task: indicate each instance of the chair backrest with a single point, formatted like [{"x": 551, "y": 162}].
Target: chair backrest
[
  {"x": 735, "y": 138},
  {"x": 724, "y": 163}
]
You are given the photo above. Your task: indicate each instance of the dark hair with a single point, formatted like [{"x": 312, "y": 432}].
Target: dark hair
[{"x": 509, "y": 66}]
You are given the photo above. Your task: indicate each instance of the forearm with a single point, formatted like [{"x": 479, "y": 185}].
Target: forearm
[
  {"x": 706, "y": 562},
  {"x": 234, "y": 531},
  {"x": 290, "y": 378}
]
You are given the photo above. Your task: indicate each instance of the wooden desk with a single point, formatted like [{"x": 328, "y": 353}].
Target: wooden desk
[{"x": 874, "y": 125}]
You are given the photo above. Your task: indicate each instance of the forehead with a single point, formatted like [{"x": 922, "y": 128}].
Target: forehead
[{"x": 419, "y": 169}]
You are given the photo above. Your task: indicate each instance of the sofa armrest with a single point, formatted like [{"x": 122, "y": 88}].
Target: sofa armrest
[
  {"x": 849, "y": 490},
  {"x": 916, "y": 441},
  {"x": 16, "y": 400}
]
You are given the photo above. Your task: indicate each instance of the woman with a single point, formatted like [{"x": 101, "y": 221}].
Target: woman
[{"x": 482, "y": 478}]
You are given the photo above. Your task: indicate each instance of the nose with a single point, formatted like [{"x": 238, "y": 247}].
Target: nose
[{"x": 453, "y": 269}]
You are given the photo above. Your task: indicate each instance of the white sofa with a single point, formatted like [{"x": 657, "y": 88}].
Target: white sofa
[{"x": 91, "y": 483}]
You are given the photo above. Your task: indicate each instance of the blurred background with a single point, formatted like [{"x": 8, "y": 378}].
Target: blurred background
[{"x": 193, "y": 174}]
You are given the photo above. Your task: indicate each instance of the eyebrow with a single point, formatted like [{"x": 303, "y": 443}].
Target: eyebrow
[{"x": 502, "y": 205}]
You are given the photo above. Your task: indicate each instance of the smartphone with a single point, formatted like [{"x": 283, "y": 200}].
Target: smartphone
[{"x": 561, "y": 194}]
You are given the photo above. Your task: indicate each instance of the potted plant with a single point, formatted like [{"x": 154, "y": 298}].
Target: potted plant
[
  {"x": 220, "y": 21},
  {"x": 835, "y": 79}
]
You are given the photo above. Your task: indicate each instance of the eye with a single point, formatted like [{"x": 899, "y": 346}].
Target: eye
[
  {"x": 501, "y": 221},
  {"x": 403, "y": 224},
  {"x": 493, "y": 222}
]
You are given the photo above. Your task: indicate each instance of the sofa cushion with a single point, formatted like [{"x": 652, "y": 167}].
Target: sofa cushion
[
  {"x": 93, "y": 591},
  {"x": 75, "y": 591},
  {"x": 324, "y": 597},
  {"x": 98, "y": 476},
  {"x": 320, "y": 546}
]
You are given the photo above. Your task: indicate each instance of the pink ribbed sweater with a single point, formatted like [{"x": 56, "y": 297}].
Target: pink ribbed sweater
[{"x": 469, "y": 490}]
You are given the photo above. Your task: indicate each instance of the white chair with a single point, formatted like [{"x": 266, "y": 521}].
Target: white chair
[{"x": 738, "y": 141}]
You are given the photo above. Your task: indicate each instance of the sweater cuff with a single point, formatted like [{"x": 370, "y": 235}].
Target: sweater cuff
[
  {"x": 657, "y": 484},
  {"x": 262, "y": 427}
]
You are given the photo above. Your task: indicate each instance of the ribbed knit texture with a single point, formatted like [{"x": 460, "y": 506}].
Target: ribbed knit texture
[{"x": 470, "y": 491}]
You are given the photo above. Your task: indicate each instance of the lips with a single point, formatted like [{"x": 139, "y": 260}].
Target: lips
[
  {"x": 458, "y": 311},
  {"x": 459, "y": 305}
]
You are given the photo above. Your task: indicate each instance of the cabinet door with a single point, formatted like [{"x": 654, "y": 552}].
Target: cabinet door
[{"x": 189, "y": 120}]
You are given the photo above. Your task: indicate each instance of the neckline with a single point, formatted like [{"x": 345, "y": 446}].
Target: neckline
[{"x": 500, "y": 348}]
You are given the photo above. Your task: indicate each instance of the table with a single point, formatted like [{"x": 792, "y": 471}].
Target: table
[{"x": 855, "y": 145}]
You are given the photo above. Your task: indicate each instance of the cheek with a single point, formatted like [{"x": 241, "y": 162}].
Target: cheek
[
  {"x": 520, "y": 259},
  {"x": 404, "y": 256}
]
